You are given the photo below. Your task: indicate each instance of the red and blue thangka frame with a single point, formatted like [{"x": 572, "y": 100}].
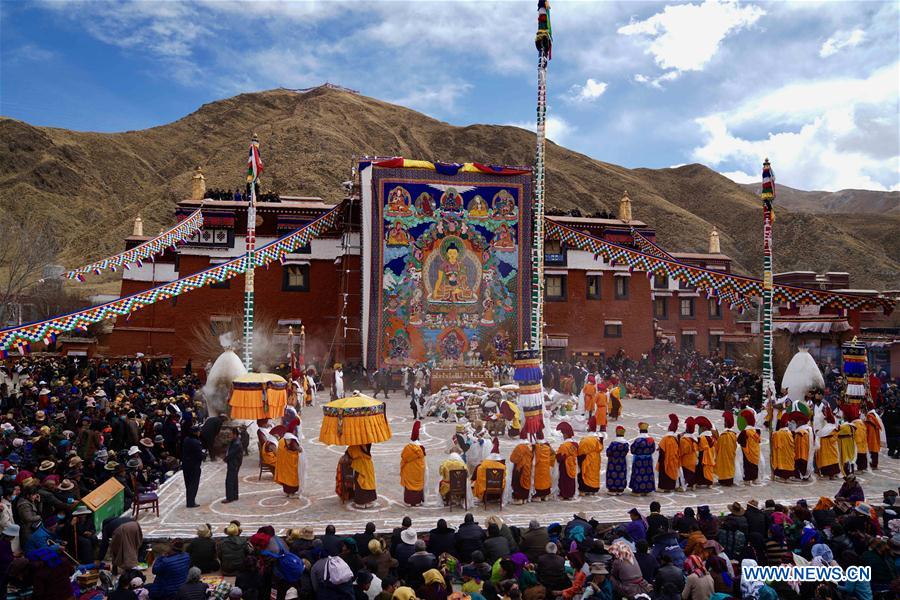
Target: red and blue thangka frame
[{"x": 447, "y": 262}]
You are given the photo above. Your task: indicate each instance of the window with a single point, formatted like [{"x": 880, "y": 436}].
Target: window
[
  {"x": 621, "y": 288},
  {"x": 555, "y": 287},
  {"x": 661, "y": 308},
  {"x": 660, "y": 282},
  {"x": 687, "y": 342},
  {"x": 593, "y": 287},
  {"x": 715, "y": 309},
  {"x": 715, "y": 343},
  {"x": 554, "y": 253},
  {"x": 296, "y": 278},
  {"x": 683, "y": 285},
  {"x": 687, "y": 308},
  {"x": 612, "y": 330}
]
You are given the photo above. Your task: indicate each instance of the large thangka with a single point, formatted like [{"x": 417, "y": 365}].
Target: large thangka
[{"x": 447, "y": 270}]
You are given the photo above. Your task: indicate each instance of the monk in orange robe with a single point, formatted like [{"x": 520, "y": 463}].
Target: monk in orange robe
[
  {"x": 479, "y": 477},
  {"x": 874, "y": 431},
  {"x": 589, "y": 391},
  {"x": 364, "y": 495},
  {"x": 749, "y": 439},
  {"x": 522, "y": 459},
  {"x": 726, "y": 452},
  {"x": 827, "y": 447},
  {"x": 412, "y": 469},
  {"x": 783, "y": 467},
  {"x": 669, "y": 463},
  {"x": 544, "y": 457},
  {"x": 287, "y": 464},
  {"x": 567, "y": 459},
  {"x": 268, "y": 450},
  {"x": 590, "y": 451},
  {"x": 601, "y": 403},
  {"x": 706, "y": 454},
  {"x": 688, "y": 448},
  {"x": 861, "y": 437},
  {"x": 803, "y": 445}
]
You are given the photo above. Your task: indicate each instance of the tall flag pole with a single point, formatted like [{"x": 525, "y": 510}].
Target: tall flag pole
[
  {"x": 767, "y": 194},
  {"x": 543, "y": 41},
  {"x": 527, "y": 371},
  {"x": 254, "y": 170}
]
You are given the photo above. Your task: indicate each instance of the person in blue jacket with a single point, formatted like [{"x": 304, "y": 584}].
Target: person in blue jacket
[{"x": 171, "y": 571}]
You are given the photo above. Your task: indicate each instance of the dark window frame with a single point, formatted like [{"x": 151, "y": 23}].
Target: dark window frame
[
  {"x": 713, "y": 304},
  {"x": 693, "y": 304},
  {"x": 616, "y": 333},
  {"x": 664, "y": 301},
  {"x": 285, "y": 287},
  {"x": 626, "y": 286},
  {"x": 598, "y": 295},
  {"x": 563, "y": 287}
]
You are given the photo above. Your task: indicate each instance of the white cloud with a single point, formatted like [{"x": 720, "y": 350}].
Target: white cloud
[
  {"x": 590, "y": 91},
  {"x": 830, "y": 134},
  {"x": 430, "y": 96},
  {"x": 30, "y": 53},
  {"x": 657, "y": 81},
  {"x": 686, "y": 37},
  {"x": 557, "y": 129},
  {"x": 841, "y": 40},
  {"x": 740, "y": 176}
]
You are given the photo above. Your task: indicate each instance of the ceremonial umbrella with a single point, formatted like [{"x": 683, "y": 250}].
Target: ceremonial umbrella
[
  {"x": 354, "y": 421},
  {"x": 258, "y": 396}
]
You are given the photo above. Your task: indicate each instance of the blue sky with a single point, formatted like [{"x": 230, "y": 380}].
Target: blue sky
[{"x": 813, "y": 85}]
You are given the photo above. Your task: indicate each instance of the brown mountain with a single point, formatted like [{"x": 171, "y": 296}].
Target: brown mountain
[
  {"x": 840, "y": 202},
  {"x": 89, "y": 186}
]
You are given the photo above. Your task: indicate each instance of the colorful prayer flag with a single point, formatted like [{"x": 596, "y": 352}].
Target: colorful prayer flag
[{"x": 254, "y": 162}]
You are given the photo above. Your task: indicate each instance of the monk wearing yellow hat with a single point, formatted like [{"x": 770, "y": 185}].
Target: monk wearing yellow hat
[
  {"x": 493, "y": 461},
  {"x": 669, "y": 462},
  {"x": 412, "y": 469}
]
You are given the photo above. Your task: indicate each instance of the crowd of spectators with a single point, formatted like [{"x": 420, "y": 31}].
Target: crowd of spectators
[
  {"x": 67, "y": 426},
  {"x": 682, "y": 376},
  {"x": 693, "y": 554}
]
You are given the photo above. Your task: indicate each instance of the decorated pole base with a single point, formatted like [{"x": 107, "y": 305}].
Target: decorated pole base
[{"x": 527, "y": 373}]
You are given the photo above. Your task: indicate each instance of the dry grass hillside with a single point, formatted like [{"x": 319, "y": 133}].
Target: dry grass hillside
[{"x": 89, "y": 186}]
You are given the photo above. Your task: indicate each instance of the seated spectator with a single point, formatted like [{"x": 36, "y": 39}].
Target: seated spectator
[
  {"x": 232, "y": 551},
  {"x": 193, "y": 588},
  {"x": 645, "y": 561},
  {"x": 171, "y": 571},
  {"x": 699, "y": 583},
  {"x": 202, "y": 550},
  {"x": 551, "y": 569},
  {"x": 442, "y": 539},
  {"x": 495, "y": 546},
  {"x": 379, "y": 562},
  {"x": 669, "y": 580},
  {"x": 534, "y": 540}
]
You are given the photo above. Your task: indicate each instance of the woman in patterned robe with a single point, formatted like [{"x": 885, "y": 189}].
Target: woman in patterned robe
[
  {"x": 617, "y": 463},
  {"x": 642, "y": 474}
]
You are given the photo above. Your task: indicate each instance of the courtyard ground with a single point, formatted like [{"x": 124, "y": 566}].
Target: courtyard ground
[{"x": 262, "y": 502}]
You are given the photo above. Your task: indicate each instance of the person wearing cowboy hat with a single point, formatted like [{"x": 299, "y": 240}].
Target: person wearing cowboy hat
[
  {"x": 599, "y": 584},
  {"x": 232, "y": 551}
]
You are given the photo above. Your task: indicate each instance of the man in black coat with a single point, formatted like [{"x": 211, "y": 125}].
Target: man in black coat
[
  {"x": 208, "y": 433},
  {"x": 191, "y": 459},
  {"x": 469, "y": 538},
  {"x": 233, "y": 458}
]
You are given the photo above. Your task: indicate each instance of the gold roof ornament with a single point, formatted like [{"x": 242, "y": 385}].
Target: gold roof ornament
[
  {"x": 625, "y": 207},
  {"x": 714, "y": 245}
]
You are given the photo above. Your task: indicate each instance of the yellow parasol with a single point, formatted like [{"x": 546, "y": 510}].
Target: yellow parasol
[
  {"x": 258, "y": 396},
  {"x": 354, "y": 421}
]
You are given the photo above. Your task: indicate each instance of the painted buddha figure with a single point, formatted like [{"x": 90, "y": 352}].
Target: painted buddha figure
[
  {"x": 452, "y": 284},
  {"x": 398, "y": 202},
  {"x": 397, "y": 236},
  {"x": 478, "y": 207}
]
